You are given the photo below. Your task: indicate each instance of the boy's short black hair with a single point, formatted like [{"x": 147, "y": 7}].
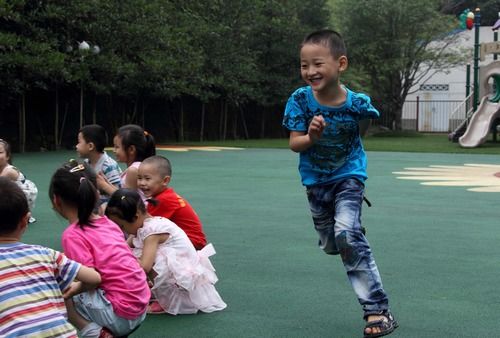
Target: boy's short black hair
[
  {"x": 96, "y": 134},
  {"x": 162, "y": 163},
  {"x": 13, "y": 205},
  {"x": 328, "y": 38}
]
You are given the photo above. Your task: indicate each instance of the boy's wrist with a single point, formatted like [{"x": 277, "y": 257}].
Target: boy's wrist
[{"x": 311, "y": 139}]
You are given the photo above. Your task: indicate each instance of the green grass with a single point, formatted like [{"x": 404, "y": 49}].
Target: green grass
[
  {"x": 387, "y": 141},
  {"x": 425, "y": 143}
]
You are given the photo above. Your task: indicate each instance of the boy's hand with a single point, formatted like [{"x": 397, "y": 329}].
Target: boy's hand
[
  {"x": 74, "y": 289},
  {"x": 316, "y": 127}
]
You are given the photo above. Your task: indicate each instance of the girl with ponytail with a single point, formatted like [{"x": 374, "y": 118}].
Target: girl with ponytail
[{"x": 118, "y": 305}]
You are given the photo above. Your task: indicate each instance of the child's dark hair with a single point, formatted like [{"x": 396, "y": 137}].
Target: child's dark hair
[
  {"x": 124, "y": 204},
  {"x": 328, "y": 38},
  {"x": 162, "y": 164},
  {"x": 6, "y": 147},
  {"x": 75, "y": 184},
  {"x": 134, "y": 135},
  {"x": 96, "y": 134},
  {"x": 13, "y": 205}
]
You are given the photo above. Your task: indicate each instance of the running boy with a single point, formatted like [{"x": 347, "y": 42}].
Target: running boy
[
  {"x": 153, "y": 178},
  {"x": 92, "y": 139},
  {"x": 323, "y": 118},
  {"x": 33, "y": 278}
]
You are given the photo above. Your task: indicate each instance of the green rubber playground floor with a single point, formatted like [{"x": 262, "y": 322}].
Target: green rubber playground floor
[{"x": 438, "y": 248}]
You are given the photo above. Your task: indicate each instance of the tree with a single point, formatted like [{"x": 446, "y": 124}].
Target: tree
[
  {"x": 29, "y": 57},
  {"x": 276, "y": 37},
  {"x": 396, "y": 43},
  {"x": 238, "y": 58}
]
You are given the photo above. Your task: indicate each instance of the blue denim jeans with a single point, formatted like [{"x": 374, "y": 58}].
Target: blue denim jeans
[{"x": 336, "y": 213}]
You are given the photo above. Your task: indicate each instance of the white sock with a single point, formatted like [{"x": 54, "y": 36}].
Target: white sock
[{"x": 92, "y": 330}]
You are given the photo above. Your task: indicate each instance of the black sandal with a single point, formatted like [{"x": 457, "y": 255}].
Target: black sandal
[{"x": 385, "y": 325}]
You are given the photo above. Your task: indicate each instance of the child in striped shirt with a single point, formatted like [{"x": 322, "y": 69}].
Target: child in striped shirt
[
  {"x": 34, "y": 280},
  {"x": 92, "y": 139}
]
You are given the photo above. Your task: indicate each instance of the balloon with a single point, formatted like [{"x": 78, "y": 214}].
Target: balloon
[{"x": 469, "y": 23}]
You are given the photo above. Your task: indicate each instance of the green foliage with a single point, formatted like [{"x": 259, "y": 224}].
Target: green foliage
[
  {"x": 394, "y": 43},
  {"x": 241, "y": 52}
]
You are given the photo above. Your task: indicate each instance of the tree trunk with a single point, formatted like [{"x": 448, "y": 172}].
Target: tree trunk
[
  {"x": 22, "y": 124},
  {"x": 43, "y": 139},
  {"x": 181, "y": 122},
  {"x": 81, "y": 104},
  {"x": 66, "y": 109},
  {"x": 224, "y": 129},
  {"x": 94, "y": 110},
  {"x": 172, "y": 121},
  {"x": 221, "y": 118},
  {"x": 263, "y": 123},
  {"x": 57, "y": 145},
  {"x": 243, "y": 121},
  {"x": 134, "y": 118},
  {"x": 398, "y": 111},
  {"x": 235, "y": 124},
  {"x": 109, "y": 112},
  {"x": 202, "y": 122},
  {"x": 143, "y": 112}
]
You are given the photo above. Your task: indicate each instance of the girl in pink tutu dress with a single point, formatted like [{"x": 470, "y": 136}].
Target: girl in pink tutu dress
[{"x": 183, "y": 279}]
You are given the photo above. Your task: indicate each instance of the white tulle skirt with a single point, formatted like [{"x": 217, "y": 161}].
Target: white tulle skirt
[{"x": 185, "y": 285}]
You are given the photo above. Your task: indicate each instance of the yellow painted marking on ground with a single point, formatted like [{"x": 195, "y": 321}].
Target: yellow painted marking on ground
[
  {"x": 199, "y": 148},
  {"x": 188, "y": 148},
  {"x": 479, "y": 177}
]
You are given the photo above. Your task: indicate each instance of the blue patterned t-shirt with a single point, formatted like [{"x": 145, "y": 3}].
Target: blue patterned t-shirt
[{"x": 339, "y": 153}]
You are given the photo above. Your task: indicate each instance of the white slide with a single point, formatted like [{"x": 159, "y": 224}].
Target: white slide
[{"x": 480, "y": 123}]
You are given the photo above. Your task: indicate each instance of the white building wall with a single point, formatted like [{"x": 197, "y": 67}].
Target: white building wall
[
  {"x": 443, "y": 86},
  {"x": 455, "y": 77}
]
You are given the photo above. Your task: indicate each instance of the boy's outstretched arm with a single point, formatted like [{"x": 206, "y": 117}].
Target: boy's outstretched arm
[
  {"x": 87, "y": 279},
  {"x": 301, "y": 141}
]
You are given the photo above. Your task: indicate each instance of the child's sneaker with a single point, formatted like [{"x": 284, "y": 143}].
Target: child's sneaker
[{"x": 32, "y": 220}]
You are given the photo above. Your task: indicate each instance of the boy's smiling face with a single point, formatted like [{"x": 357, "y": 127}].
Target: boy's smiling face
[
  {"x": 82, "y": 147},
  {"x": 150, "y": 180},
  {"x": 319, "y": 68}
]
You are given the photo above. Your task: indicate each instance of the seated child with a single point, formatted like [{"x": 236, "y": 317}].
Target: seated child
[
  {"x": 153, "y": 178},
  {"x": 183, "y": 279},
  {"x": 33, "y": 278},
  {"x": 8, "y": 170},
  {"x": 132, "y": 144},
  {"x": 119, "y": 305},
  {"x": 92, "y": 139}
]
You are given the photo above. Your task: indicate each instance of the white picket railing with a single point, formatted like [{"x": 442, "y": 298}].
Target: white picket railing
[{"x": 462, "y": 113}]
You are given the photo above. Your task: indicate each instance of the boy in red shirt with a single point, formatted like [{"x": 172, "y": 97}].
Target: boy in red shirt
[{"x": 153, "y": 178}]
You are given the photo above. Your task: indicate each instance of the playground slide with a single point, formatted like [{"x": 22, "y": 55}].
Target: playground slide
[{"x": 480, "y": 123}]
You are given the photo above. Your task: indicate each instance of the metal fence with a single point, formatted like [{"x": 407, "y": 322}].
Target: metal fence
[{"x": 431, "y": 115}]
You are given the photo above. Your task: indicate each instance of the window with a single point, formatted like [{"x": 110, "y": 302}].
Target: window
[{"x": 434, "y": 87}]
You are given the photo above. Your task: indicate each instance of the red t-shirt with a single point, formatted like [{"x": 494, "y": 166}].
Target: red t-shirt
[{"x": 178, "y": 210}]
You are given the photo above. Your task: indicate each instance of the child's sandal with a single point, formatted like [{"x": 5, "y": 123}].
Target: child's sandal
[
  {"x": 154, "y": 308},
  {"x": 386, "y": 326}
]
